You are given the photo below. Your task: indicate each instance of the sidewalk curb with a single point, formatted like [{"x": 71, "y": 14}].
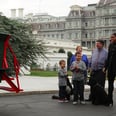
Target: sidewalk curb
[
  {"x": 32, "y": 93},
  {"x": 28, "y": 93},
  {"x": 37, "y": 92}
]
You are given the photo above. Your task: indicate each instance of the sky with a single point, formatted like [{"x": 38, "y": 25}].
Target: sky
[{"x": 52, "y": 7}]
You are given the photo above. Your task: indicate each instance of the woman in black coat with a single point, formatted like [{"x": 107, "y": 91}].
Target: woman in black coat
[{"x": 111, "y": 67}]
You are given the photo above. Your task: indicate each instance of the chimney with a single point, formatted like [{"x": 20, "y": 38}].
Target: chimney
[
  {"x": 20, "y": 12},
  {"x": 13, "y": 13}
]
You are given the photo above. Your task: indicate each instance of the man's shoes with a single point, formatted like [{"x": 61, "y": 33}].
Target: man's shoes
[
  {"x": 66, "y": 101},
  {"x": 110, "y": 103},
  {"x": 82, "y": 102},
  {"x": 88, "y": 100},
  {"x": 75, "y": 102},
  {"x": 61, "y": 101}
]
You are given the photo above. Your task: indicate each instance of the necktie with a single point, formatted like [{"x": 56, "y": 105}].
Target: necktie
[{"x": 97, "y": 65}]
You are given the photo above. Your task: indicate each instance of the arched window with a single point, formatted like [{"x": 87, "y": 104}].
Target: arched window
[
  {"x": 48, "y": 26},
  {"x": 57, "y": 25}
]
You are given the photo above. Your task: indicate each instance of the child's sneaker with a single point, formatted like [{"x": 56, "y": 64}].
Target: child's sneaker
[
  {"x": 61, "y": 101},
  {"x": 66, "y": 101},
  {"x": 75, "y": 102},
  {"x": 82, "y": 102}
]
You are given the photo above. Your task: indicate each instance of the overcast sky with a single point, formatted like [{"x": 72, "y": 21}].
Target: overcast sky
[{"x": 52, "y": 7}]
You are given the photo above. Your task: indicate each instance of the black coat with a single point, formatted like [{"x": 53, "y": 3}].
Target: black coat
[{"x": 111, "y": 60}]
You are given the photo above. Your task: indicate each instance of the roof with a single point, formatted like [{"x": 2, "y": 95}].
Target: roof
[{"x": 104, "y": 2}]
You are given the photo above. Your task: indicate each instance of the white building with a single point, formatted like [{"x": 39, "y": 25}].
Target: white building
[
  {"x": 52, "y": 61},
  {"x": 53, "y": 45},
  {"x": 54, "y": 57}
]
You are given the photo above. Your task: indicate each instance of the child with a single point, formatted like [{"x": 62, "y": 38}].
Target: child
[
  {"x": 78, "y": 67},
  {"x": 62, "y": 76},
  {"x": 69, "y": 91}
]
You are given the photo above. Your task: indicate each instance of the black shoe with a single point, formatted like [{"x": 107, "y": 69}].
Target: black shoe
[
  {"x": 88, "y": 100},
  {"x": 111, "y": 104},
  {"x": 55, "y": 97}
]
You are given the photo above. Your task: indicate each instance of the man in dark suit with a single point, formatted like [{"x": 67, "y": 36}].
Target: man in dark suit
[{"x": 111, "y": 66}]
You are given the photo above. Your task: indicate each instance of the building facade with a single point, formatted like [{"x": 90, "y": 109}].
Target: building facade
[{"x": 83, "y": 25}]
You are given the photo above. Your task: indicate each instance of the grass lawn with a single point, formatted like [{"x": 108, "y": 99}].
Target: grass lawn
[{"x": 45, "y": 73}]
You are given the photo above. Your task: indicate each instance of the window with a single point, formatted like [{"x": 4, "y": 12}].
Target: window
[
  {"x": 100, "y": 33},
  {"x": 106, "y": 11},
  {"x": 86, "y": 24},
  {"x": 76, "y": 35},
  {"x": 39, "y": 26},
  {"x": 44, "y": 35},
  {"x": 48, "y": 35},
  {"x": 83, "y": 44},
  {"x": 70, "y": 35},
  {"x": 90, "y": 34},
  {"x": 69, "y": 24},
  {"x": 114, "y": 11},
  {"x": 106, "y": 21},
  {"x": 48, "y": 26},
  {"x": 86, "y": 35},
  {"x": 53, "y": 35},
  {"x": 62, "y": 36},
  {"x": 106, "y": 32},
  {"x": 77, "y": 23},
  {"x": 57, "y": 25},
  {"x": 114, "y": 20},
  {"x": 57, "y": 36},
  {"x": 114, "y": 31}
]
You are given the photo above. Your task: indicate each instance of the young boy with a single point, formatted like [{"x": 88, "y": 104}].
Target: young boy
[
  {"x": 62, "y": 77},
  {"x": 78, "y": 67}
]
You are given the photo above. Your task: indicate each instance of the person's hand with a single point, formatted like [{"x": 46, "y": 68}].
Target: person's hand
[
  {"x": 76, "y": 67},
  {"x": 104, "y": 70}
]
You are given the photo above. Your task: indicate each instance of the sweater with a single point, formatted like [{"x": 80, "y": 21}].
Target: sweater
[
  {"x": 62, "y": 75},
  {"x": 78, "y": 74}
]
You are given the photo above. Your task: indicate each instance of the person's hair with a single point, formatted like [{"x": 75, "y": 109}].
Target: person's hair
[
  {"x": 77, "y": 53},
  {"x": 114, "y": 34},
  {"x": 78, "y": 47},
  {"x": 101, "y": 41},
  {"x": 61, "y": 61}
]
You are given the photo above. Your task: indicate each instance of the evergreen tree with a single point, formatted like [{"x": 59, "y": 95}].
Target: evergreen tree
[
  {"x": 25, "y": 46},
  {"x": 61, "y": 50}
]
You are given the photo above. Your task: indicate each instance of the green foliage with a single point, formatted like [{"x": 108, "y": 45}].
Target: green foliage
[
  {"x": 25, "y": 46},
  {"x": 69, "y": 54},
  {"x": 61, "y": 50},
  {"x": 44, "y": 73}
]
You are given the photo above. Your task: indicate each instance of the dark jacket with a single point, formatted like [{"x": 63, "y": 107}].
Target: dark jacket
[{"x": 111, "y": 60}]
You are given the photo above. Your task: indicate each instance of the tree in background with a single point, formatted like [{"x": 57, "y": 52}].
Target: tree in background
[
  {"x": 25, "y": 46},
  {"x": 61, "y": 50},
  {"x": 69, "y": 54}
]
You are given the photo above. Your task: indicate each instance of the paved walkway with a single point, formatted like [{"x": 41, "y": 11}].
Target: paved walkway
[{"x": 38, "y": 84}]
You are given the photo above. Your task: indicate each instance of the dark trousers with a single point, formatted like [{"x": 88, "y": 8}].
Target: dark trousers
[
  {"x": 85, "y": 76},
  {"x": 111, "y": 78},
  {"x": 62, "y": 92},
  {"x": 96, "y": 77},
  {"x": 78, "y": 90}
]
